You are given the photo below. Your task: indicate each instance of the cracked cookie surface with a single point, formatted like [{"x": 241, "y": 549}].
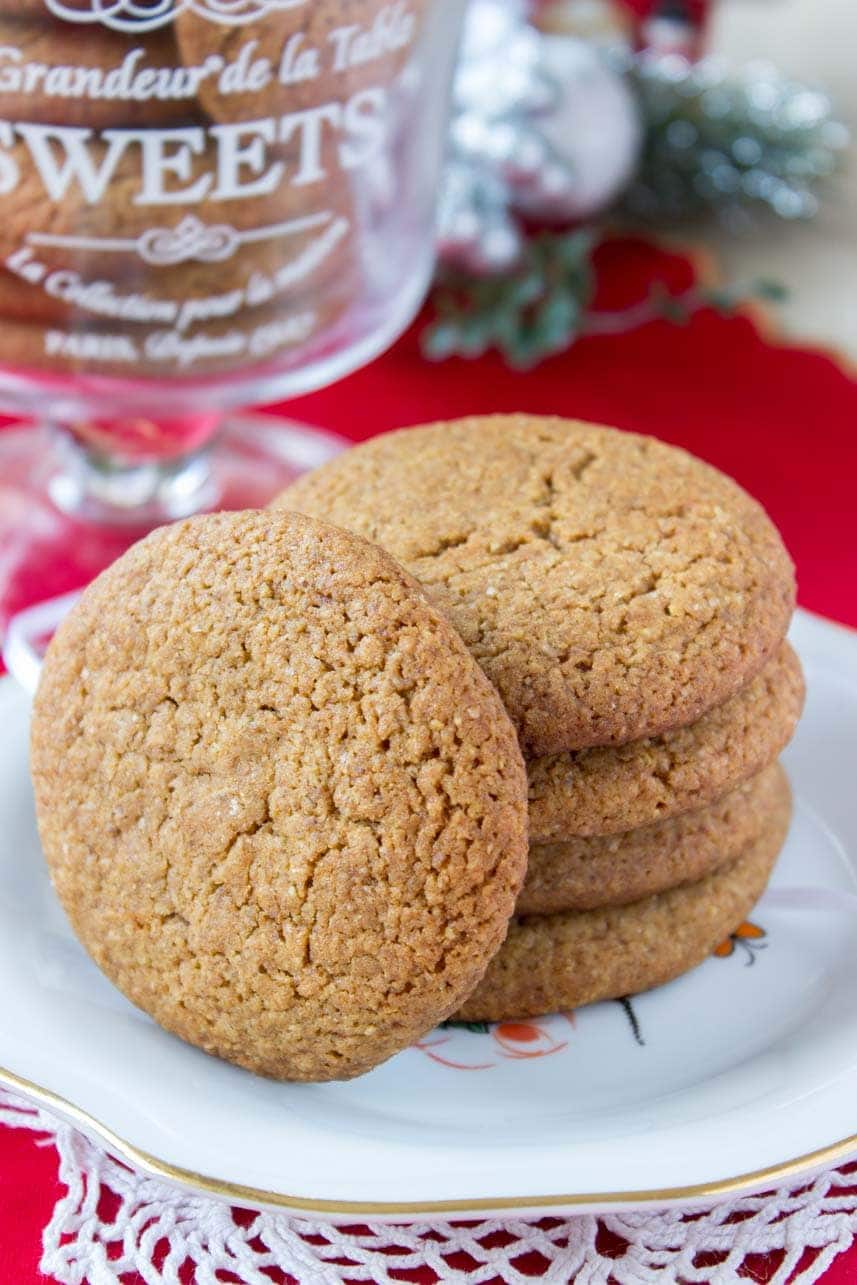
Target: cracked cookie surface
[
  {"x": 613, "y": 869},
  {"x": 282, "y": 806},
  {"x": 612, "y": 587},
  {"x": 549, "y": 963},
  {"x": 609, "y": 789}
]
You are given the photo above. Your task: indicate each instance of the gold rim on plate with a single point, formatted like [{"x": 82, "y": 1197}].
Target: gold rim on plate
[{"x": 238, "y": 1194}]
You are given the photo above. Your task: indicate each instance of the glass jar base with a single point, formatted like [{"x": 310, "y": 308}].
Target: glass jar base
[{"x": 61, "y": 522}]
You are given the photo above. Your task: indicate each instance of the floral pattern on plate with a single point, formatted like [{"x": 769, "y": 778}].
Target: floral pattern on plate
[{"x": 449, "y": 1045}]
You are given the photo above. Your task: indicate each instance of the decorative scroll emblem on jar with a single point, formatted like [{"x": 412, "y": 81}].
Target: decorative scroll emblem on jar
[{"x": 129, "y": 16}]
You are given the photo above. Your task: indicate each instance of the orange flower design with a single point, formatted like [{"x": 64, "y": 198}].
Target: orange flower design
[
  {"x": 527, "y": 1040},
  {"x": 748, "y": 936},
  {"x": 515, "y": 1040}
]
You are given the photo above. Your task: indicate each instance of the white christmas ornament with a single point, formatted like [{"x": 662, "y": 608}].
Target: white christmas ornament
[
  {"x": 497, "y": 86},
  {"x": 541, "y": 124},
  {"x": 592, "y": 130}
]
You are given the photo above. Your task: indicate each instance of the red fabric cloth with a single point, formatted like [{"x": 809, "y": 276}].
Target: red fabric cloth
[
  {"x": 28, "y": 1192},
  {"x": 779, "y": 418}
]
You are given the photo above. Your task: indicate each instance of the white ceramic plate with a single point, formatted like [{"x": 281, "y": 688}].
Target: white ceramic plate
[{"x": 740, "y": 1074}]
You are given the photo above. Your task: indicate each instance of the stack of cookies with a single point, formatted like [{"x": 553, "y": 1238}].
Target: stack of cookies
[
  {"x": 282, "y": 759},
  {"x": 630, "y": 604}
]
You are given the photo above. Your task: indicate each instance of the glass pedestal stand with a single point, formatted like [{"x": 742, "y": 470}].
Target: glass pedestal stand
[{"x": 67, "y": 509}]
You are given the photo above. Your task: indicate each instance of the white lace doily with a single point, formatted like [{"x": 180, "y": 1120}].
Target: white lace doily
[{"x": 154, "y": 1229}]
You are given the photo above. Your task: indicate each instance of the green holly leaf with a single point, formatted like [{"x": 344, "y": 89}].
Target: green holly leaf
[
  {"x": 529, "y": 313},
  {"x": 728, "y": 142},
  {"x": 542, "y": 305}
]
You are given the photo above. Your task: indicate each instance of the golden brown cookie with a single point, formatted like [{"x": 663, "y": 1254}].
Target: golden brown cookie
[
  {"x": 299, "y": 56},
  {"x": 50, "y": 71},
  {"x": 282, "y": 806},
  {"x": 609, "y": 789},
  {"x": 611, "y": 587},
  {"x": 613, "y": 869},
  {"x": 553, "y": 962}
]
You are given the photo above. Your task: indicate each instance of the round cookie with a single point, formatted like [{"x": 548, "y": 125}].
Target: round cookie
[
  {"x": 609, "y": 789},
  {"x": 614, "y": 869},
  {"x": 284, "y": 810},
  {"x": 329, "y": 50},
  {"x": 611, "y": 587},
  {"x": 549, "y": 963},
  {"x": 52, "y": 73}
]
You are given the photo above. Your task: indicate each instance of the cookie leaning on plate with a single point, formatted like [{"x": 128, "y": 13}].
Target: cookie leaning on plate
[
  {"x": 612, "y": 587},
  {"x": 607, "y": 789},
  {"x": 283, "y": 808},
  {"x": 549, "y": 963}
]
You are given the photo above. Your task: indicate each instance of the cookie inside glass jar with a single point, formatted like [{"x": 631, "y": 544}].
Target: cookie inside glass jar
[{"x": 306, "y": 54}]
